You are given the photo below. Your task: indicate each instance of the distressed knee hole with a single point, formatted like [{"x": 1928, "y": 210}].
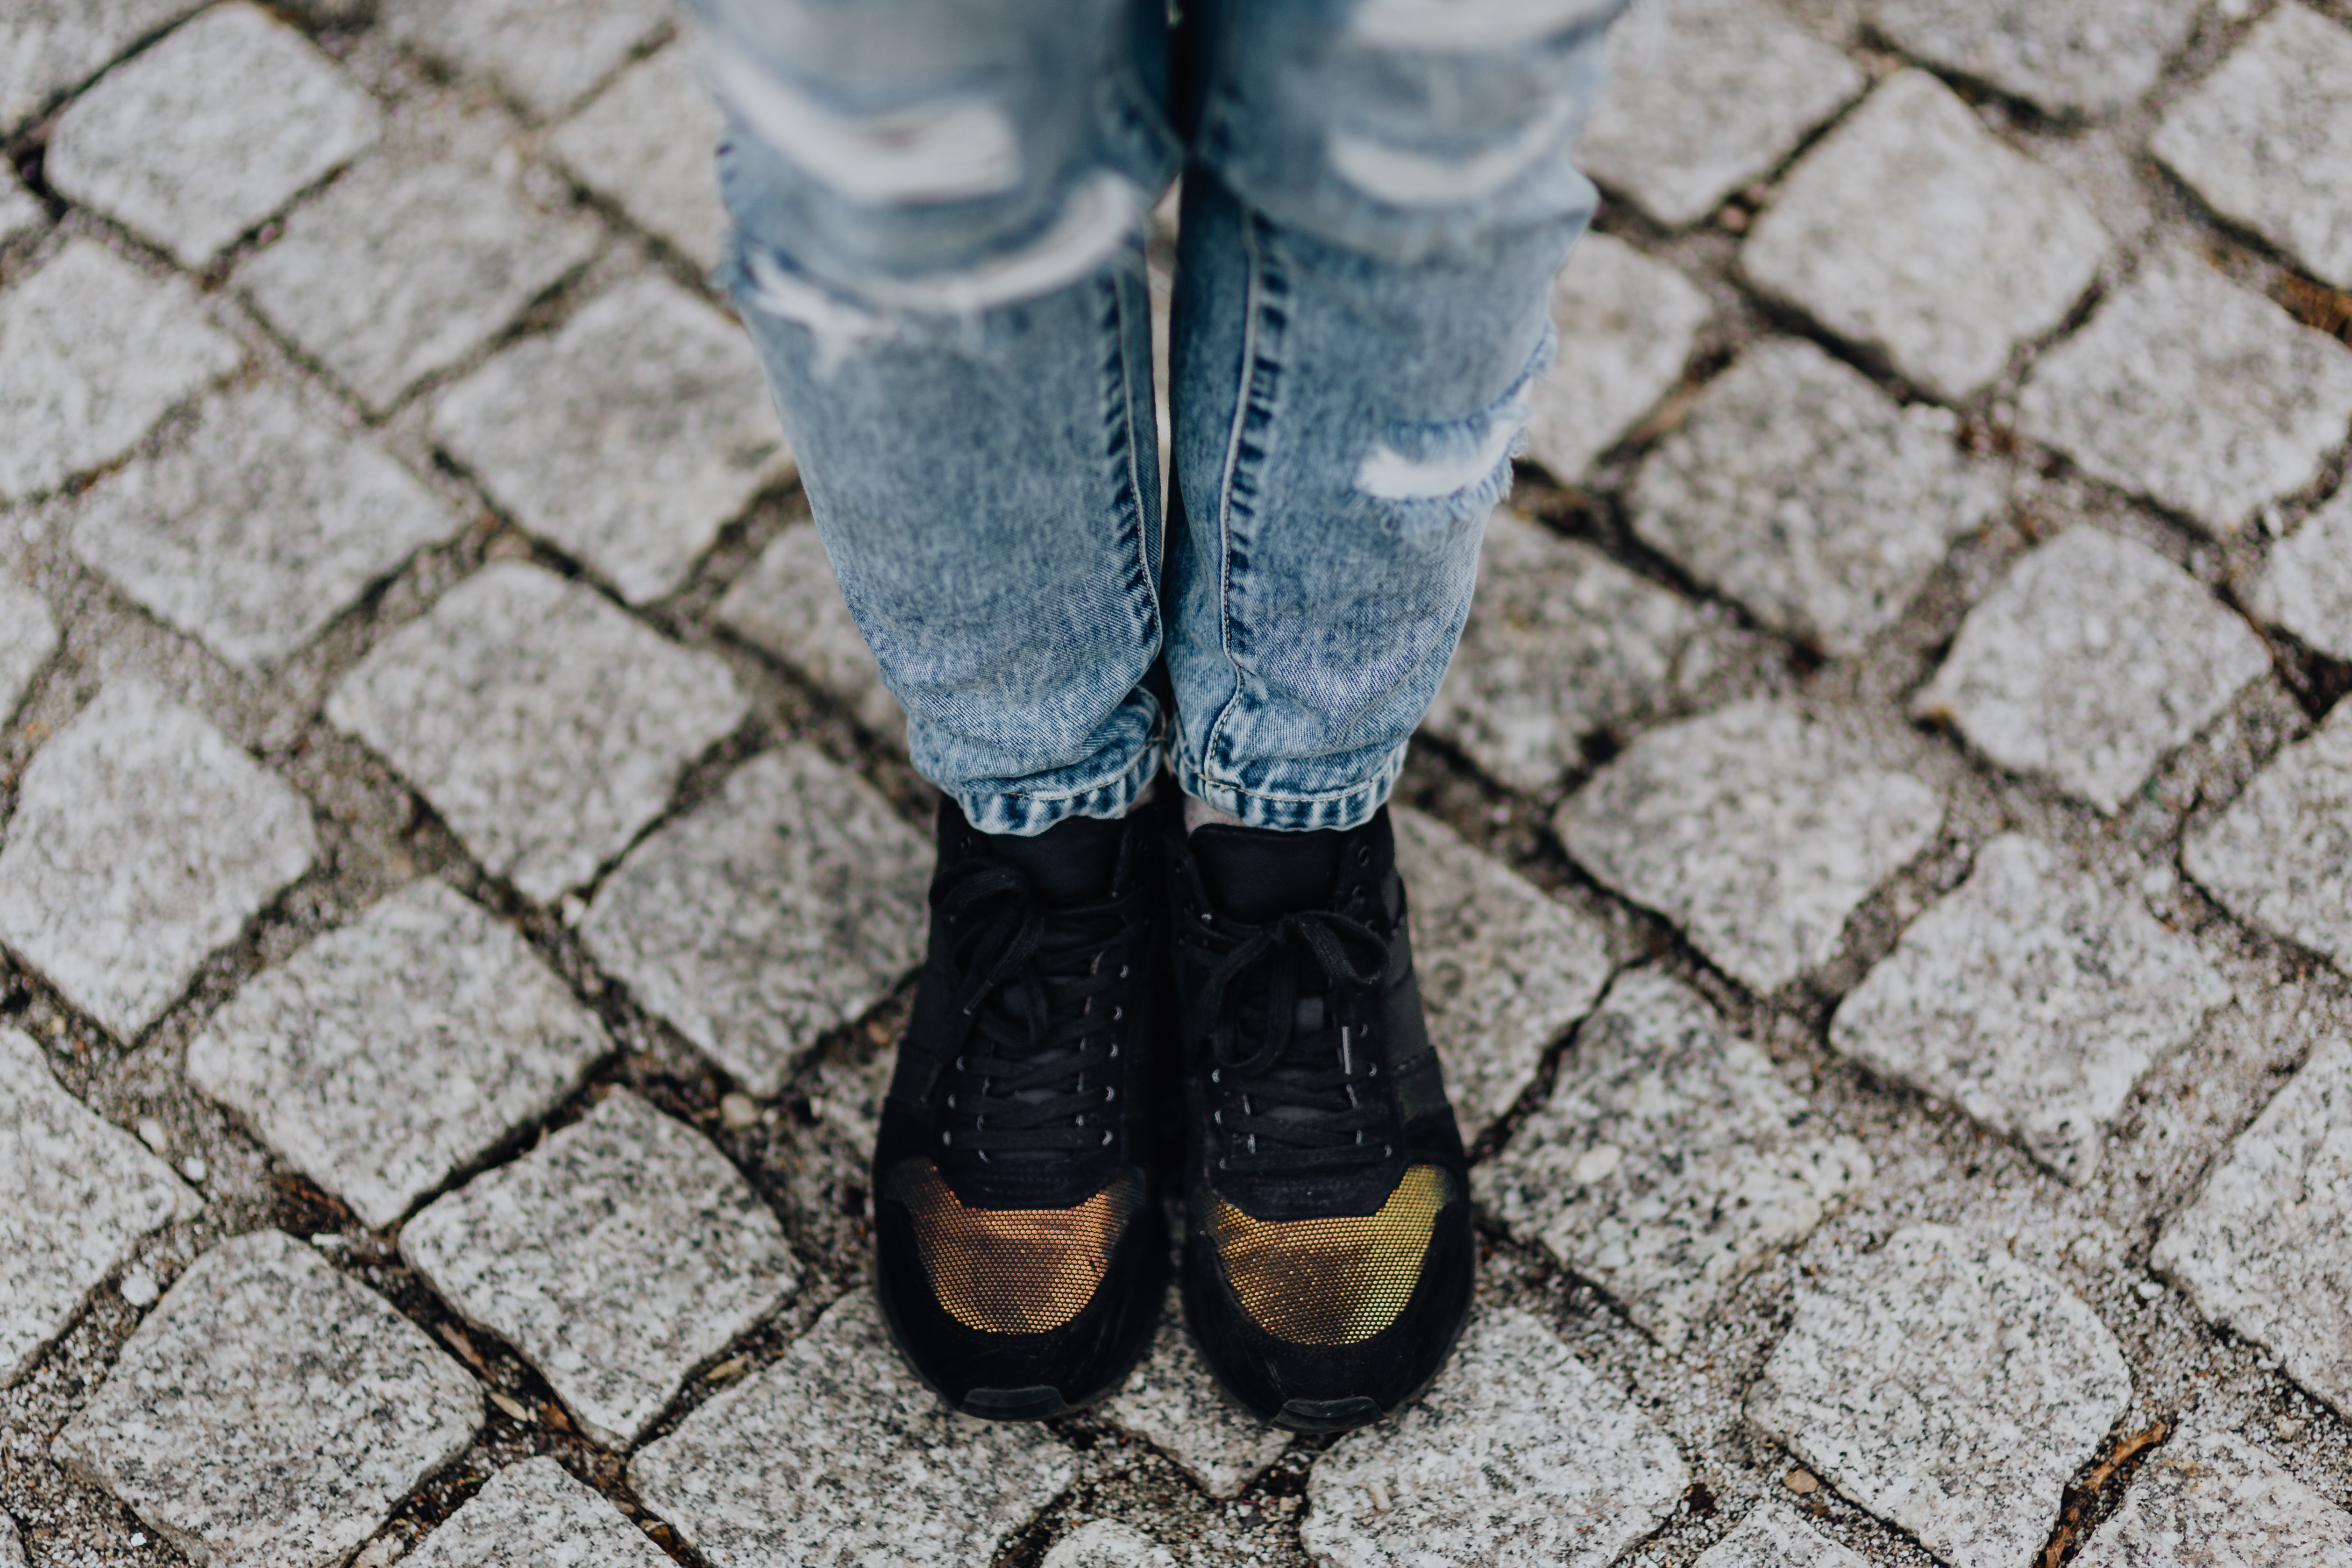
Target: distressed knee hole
[
  {"x": 953, "y": 149},
  {"x": 1410, "y": 177},
  {"x": 1441, "y": 468},
  {"x": 1469, "y": 27},
  {"x": 1095, "y": 223},
  {"x": 1434, "y": 475}
]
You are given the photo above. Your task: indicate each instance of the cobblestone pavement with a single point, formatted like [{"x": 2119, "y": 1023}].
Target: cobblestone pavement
[{"x": 1883, "y": 860}]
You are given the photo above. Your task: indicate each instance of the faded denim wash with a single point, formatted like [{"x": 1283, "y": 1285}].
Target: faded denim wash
[{"x": 939, "y": 209}]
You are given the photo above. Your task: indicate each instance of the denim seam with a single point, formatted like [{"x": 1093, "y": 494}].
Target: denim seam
[
  {"x": 1145, "y": 763},
  {"x": 1135, "y": 101},
  {"x": 1245, "y": 393},
  {"x": 1143, "y": 524}
]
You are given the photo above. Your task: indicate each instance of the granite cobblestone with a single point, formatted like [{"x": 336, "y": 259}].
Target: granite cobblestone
[
  {"x": 28, "y": 636},
  {"x": 77, "y": 1195},
  {"x": 619, "y": 1256},
  {"x": 1707, "y": 96},
  {"x": 143, "y": 840},
  {"x": 2281, "y": 854},
  {"x": 1914, "y": 233},
  {"x": 1946, "y": 1387},
  {"x": 2267, "y": 141},
  {"x": 1800, "y": 489},
  {"x": 1978, "y": 1078},
  {"x": 1563, "y": 644},
  {"x": 21, "y": 213},
  {"x": 92, "y": 353},
  {"x": 1519, "y": 1453},
  {"x": 628, "y": 439},
  {"x": 645, "y": 144},
  {"x": 2094, "y": 658},
  {"x": 1627, "y": 326},
  {"x": 2067, "y": 58},
  {"x": 2305, "y": 586},
  {"x": 546, "y": 725},
  {"x": 787, "y": 906},
  {"x": 1173, "y": 1402},
  {"x": 533, "y": 1514},
  {"x": 388, "y": 1055},
  {"x": 199, "y": 139},
  {"x": 269, "y": 1413},
  {"x": 836, "y": 1455},
  {"x": 1670, "y": 1160},
  {"x": 549, "y": 54},
  {"x": 2211, "y": 1500},
  {"x": 50, "y": 46},
  {"x": 405, "y": 267},
  {"x": 2263, "y": 1247},
  {"x": 1754, "y": 829},
  {"x": 1504, "y": 970},
  {"x": 2034, "y": 998},
  {"x": 789, "y": 606},
  {"x": 2194, "y": 391},
  {"x": 260, "y": 528},
  {"x": 1772, "y": 1537}
]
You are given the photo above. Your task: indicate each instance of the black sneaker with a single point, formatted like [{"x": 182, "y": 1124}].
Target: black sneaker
[
  {"x": 1328, "y": 1256},
  {"x": 1021, "y": 1248}
]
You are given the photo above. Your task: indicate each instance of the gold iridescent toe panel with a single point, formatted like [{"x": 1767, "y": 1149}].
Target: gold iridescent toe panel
[
  {"x": 1339, "y": 1281},
  {"x": 1012, "y": 1271}
]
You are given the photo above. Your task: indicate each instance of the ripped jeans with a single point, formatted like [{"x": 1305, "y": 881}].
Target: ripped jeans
[{"x": 939, "y": 212}]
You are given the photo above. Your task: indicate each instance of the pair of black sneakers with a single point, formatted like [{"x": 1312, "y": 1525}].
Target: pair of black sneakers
[{"x": 1108, "y": 1003}]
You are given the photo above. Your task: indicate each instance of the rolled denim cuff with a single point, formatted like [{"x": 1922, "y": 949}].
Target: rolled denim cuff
[
  {"x": 1026, "y": 813},
  {"x": 1295, "y": 807}
]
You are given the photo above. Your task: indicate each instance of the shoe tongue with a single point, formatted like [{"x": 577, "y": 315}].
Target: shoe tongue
[
  {"x": 1258, "y": 875},
  {"x": 1073, "y": 862}
]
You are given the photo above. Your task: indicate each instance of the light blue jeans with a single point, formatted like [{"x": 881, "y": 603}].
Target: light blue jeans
[{"x": 939, "y": 212}]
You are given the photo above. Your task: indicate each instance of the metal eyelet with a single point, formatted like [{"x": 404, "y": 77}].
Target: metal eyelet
[
  {"x": 1216, "y": 1075},
  {"x": 1109, "y": 1094},
  {"x": 946, "y": 1139},
  {"x": 1106, "y": 1135}
]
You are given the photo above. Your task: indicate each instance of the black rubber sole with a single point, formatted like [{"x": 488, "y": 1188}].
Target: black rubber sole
[
  {"x": 1329, "y": 1415},
  {"x": 1033, "y": 1403},
  {"x": 1039, "y": 1400},
  {"x": 1344, "y": 1415}
]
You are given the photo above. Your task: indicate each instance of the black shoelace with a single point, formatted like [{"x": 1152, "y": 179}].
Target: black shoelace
[
  {"x": 1039, "y": 987},
  {"x": 1298, "y": 1084}
]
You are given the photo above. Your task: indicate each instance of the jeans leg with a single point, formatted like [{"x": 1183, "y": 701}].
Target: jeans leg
[
  {"x": 939, "y": 210},
  {"x": 1379, "y": 195}
]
